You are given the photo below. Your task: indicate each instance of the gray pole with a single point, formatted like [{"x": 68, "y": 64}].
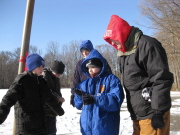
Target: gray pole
[
  {"x": 26, "y": 34},
  {"x": 25, "y": 42}
]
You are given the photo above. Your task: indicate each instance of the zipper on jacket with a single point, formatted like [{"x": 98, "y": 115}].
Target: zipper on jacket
[
  {"x": 122, "y": 65},
  {"x": 37, "y": 80}
]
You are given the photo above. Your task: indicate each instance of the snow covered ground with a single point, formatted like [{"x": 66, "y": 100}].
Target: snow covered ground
[{"x": 68, "y": 124}]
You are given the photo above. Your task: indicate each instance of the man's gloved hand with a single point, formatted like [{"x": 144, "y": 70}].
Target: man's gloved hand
[
  {"x": 78, "y": 92},
  {"x": 88, "y": 99},
  {"x": 157, "y": 121},
  {"x": 72, "y": 100}
]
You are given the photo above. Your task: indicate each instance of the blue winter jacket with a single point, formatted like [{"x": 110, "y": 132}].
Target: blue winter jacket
[{"x": 102, "y": 117}]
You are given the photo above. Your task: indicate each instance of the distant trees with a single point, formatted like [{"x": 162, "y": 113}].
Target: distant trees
[
  {"x": 9, "y": 62},
  {"x": 8, "y": 68},
  {"x": 69, "y": 54}
]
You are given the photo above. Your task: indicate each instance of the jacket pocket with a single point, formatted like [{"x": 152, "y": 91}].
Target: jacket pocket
[{"x": 140, "y": 106}]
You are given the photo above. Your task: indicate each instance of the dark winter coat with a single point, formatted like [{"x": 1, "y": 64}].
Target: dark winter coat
[
  {"x": 78, "y": 74},
  {"x": 146, "y": 67},
  {"x": 54, "y": 84},
  {"x": 29, "y": 93},
  {"x": 102, "y": 117}
]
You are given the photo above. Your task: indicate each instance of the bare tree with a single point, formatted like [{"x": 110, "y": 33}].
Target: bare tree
[
  {"x": 52, "y": 53},
  {"x": 8, "y": 68},
  {"x": 70, "y": 54},
  {"x": 34, "y": 49}
]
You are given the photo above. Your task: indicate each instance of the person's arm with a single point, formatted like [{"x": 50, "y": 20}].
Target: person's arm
[
  {"x": 78, "y": 103},
  {"x": 160, "y": 77},
  {"x": 52, "y": 102},
  {"x": 59, "y": 92},
  {"x": 77, "y": 78},
  {"x": 47, "y": 75},
  {"x": 76, "y": 81},
  {"x": 58, "y": 97},
  {"x": 9, "y": 99},
  {"x": 77, "y": 100},
  {"x": 162, "y": 80},
  {"x": 112, "y": 100}
]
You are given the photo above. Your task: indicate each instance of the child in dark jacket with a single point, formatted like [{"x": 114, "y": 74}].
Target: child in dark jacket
[
  {"x": 30, "y": 93},
  {"x": 52, "y": 76},
  {"x": 100, "y": 98}
]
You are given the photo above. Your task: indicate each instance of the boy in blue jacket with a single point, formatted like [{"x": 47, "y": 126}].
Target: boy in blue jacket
[{"x": 100, "y": 97}]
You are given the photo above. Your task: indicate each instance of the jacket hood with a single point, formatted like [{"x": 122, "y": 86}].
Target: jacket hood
[
  {"x": 118, "y": 29},
  {"x": 86, "y": 44},
  {"x": 94, "y": 54}
]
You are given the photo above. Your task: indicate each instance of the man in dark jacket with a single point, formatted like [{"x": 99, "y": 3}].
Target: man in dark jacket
[
  {"x": 85, "y": 48},
  {"x": 52, "y": 77},
  {"x": 146, "y": 77},
  {"x": 30, "y": 93}
]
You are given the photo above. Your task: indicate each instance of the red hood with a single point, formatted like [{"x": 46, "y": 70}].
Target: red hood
[{"x": 118, "y": 29}]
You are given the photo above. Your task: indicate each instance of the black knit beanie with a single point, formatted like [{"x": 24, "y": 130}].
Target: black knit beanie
[
  {"x": 94, "y": 63},
  {"x": 58, "y": 67}
]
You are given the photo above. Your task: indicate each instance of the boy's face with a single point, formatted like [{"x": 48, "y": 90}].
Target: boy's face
[
  {"x": 85, "y": 53},
  {"x": 38, "y": 71},
  {"x": 93, "y": 70}
]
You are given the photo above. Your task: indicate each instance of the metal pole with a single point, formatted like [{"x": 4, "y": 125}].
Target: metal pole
[
  {"x": 26, "y": 34},
  {"x": 25, "y": 42}
]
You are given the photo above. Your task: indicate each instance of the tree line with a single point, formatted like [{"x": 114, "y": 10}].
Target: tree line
[
  {"x": 68, "y": 54},
  {"x": 162, "y": 15}
]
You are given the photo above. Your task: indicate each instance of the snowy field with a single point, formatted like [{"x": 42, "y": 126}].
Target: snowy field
[{"x": 68, "y": 124}]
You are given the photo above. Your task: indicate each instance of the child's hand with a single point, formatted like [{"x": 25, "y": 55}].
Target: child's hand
[
  {"x": 79, "y": 92},
  {"x": 61, "y": 99},
  {"x": 88, "y": 99}
]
